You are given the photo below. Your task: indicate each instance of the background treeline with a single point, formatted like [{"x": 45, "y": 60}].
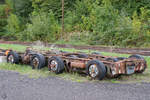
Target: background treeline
[{"x": 104, "y": 22}]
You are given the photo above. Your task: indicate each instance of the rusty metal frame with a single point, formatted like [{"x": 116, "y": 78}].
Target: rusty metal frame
[{"x": 113, "y": 68}]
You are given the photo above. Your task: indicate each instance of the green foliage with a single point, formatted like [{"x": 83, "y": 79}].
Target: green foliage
[
  {"x": 104, "y": 22},
  {"x": 54, "y": 5},
  {"x": 43, "y": 27},
  {"x": 2, "y": 10},
  {"x": 3, "y": 23},
  {"x": 13, "y": 27},
  {"x": 78, "y": 19},
  {"x": 104, "y": 19},
  {"x": 9, "y": 3},
  {"x": 130, "y": 6},
  {"x": 13, "y": 24},
  {"x": 21, "y": 8},
  {"x": 3, "y": 20},
  {"x": 70, "y": 21}
]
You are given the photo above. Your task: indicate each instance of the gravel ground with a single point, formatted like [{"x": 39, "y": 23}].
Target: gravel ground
[{"x": 17, "y": 87}]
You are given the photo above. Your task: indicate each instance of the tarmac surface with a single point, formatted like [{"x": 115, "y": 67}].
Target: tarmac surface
[{"x": 14, "y": 86}]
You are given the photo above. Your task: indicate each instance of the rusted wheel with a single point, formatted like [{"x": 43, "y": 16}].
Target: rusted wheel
[
  {"x": 56, "y": 64},
  {"x": 37, "y": 61},
  {"x": 96, "y": 69},
  {"x": 139, "y": 57},
  {"x": 13, "y": 57}
]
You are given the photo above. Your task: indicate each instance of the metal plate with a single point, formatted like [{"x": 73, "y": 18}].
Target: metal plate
[
  {"x": 130, "y": 69},
  {"x": 3, "y": 59}
]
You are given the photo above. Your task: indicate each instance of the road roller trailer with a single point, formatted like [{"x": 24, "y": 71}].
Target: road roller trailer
[{"x": 95, "y": 65}]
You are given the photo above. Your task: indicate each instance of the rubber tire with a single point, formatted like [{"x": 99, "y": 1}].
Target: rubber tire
[
  {"x": 121, "y": 58},
  {"x": 82, "y": 56},
  {"x": 96, "y": 53},
  {"x": 60, "y": 62},
  {"x": 100, "y": 66},
  {"x": 41, "y": 59},
  {"x": 15, "y": 55},
  {"x": 138, "y": 57},
  {"x": 73, "y": 56},
  {"x": 112, "y": 59}
]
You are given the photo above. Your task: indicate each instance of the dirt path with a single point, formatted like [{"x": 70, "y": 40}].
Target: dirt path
[
  {"x": 17, "y": 87},
  {"x": 141, "y": 51}
]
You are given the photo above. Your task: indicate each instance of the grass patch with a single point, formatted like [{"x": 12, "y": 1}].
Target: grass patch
[
  {"x": 27, "y": 70},
  {"x": 13, "y": 46}
]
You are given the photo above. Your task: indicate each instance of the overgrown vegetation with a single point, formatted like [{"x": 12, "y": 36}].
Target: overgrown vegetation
[{"x": 101, "y": 22}]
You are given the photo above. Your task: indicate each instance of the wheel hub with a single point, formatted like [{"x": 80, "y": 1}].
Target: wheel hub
[
  {"x": 93, "y": 71},
  {"x": 11, "y": 59},
  {"x": 36, "y": 62},
  {"x": 53, "y": 65}
]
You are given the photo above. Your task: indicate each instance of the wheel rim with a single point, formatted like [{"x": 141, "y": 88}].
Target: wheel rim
[
  {"x": 53, "y": 65},
  {"x": 35, "y": 62},
  {"x": 11, "y": 59},
  {"x": 93, "y": 70}
]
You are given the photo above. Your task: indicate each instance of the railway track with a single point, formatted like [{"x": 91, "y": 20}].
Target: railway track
[{"x": 141, "y": 51}]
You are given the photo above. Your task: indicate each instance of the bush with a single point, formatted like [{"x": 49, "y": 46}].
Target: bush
[
  {"x": 78, "y": 19},
  {"x": 104, "y": 21},
  {"x": 43, "y": 27},
  {"x": 3, "y": 20},
  {"x": 52, "y": 5},
  {"x": 111, "y": 27},
  {"x": 13, "y": 28},
  {"x": 14, "y": 25}
]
